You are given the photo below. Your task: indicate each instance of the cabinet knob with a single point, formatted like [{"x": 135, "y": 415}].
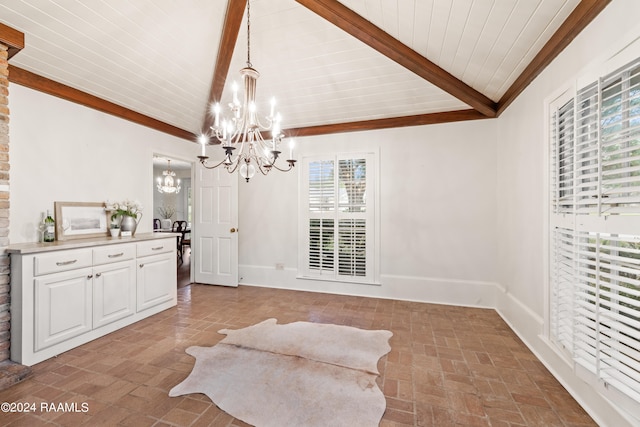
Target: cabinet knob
[
  {"x": 98, "y": 274},
  {"x": 90, "y": 276},
  {"x": 233, "y": 230},
  {"x": 141, "y": 265}
]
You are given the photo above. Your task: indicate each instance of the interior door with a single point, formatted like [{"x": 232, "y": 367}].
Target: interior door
[{"x": 215, "y": 237}]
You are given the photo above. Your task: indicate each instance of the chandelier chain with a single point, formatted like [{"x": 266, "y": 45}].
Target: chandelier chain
[{"x": 248, "y": 33}]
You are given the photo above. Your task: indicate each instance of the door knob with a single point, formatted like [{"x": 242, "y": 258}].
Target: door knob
[{"x": 233, "y": 230}]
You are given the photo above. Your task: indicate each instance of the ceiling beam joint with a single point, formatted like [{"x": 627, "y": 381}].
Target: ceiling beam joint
[
  {"x": 12, "y": 38},
  {"x": 363, "y": 30}
]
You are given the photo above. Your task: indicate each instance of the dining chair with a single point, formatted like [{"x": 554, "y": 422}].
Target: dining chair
[
  {"x": 179, "y": 227},
  {"x": 186, "y": 241}
]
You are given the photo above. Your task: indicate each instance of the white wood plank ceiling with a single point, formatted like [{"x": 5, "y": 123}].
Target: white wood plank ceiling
[{"x": 157, "y": 57}]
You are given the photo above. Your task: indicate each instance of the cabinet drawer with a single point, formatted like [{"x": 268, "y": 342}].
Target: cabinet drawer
[
  {"x": 61, "y": 261},
  {"x": 113, "y": 253},
  {"x": 153, "y": 247}
]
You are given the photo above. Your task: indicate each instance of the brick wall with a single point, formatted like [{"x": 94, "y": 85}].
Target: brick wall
[
  {"x": 4, "y": 204},
  {"x": 10, "y": 372}
]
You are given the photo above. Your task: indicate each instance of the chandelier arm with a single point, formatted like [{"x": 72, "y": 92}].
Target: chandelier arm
[
  {"x": 270, "y": 145},
  {"x": 262, "y": 127},
  {"x": 203, "y": 160},
  {"x": 292, "y": 163},
  {"x": 232, "y": 170}
]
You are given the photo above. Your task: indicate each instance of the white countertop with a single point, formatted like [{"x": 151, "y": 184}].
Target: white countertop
[{"x": 58, "y": 245}]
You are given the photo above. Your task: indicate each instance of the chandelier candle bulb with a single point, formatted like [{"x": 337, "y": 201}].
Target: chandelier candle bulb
[
  {"x": 273, "y": 106},
  {"x": 291, "y": 144}
]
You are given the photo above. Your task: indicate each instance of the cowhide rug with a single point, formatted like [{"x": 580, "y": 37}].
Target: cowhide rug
[{"x": 298, "y": 374}]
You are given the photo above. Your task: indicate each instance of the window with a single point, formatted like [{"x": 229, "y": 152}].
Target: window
[
  {"x": 339, "y": 218},
  {"x": 595, "y": 232}
]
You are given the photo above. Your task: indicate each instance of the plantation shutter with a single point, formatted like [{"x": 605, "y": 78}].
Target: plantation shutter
[
  {"x": 608, "y": 310},
  {"x": 321, "y": 206},
  {"x": 339, "y": 218},
  {"x": 620, "y": 134},
  {"x": 562, "y": 158},
  {"x": 587, "y": 151},
  {"x": 595, "y": 233},
  {"x": 562, "y": 288}
]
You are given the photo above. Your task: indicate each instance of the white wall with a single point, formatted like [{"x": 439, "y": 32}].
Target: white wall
[
  {"x": 522, "y": 193},
  {"x": 437, "y": 211},
  {"x": 62, "y": 151}
]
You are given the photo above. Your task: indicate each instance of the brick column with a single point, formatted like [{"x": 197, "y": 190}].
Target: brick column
[
  {"x": 4, "y": 204},
  {"x": 10, "y": 372}
]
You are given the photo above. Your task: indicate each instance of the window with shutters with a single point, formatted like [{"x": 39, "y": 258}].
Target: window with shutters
[
  {"x": 338, "y": 218},
  {"x": 594, "y": 251}
]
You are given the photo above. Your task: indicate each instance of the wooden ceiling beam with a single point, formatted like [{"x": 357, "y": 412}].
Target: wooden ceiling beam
[
  {"x": 43, "y": 84},
  {"x": 358, "y": 27},
  {"x": 386, "y": 123},
  {"x": 581, "y": 16},
  {"x": 230, "y": 31},
  {"x": 11, "y": 38}
]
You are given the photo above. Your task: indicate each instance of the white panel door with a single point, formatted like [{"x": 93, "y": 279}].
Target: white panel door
[{"x": 215, "y": 242}]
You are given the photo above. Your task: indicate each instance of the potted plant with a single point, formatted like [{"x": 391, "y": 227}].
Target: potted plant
[
  {"x": 166, "y": 213},
  {"x": 114, "y": 228},
  {"x": 129, "y": 214}
]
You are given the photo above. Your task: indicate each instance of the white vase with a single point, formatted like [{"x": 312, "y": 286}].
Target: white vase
[
  {"x": 165, "y": 223},
  {"x": 114, "y": 232}
]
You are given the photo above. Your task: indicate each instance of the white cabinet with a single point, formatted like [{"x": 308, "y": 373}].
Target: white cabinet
[
  {"x": 155, "y": 261},
  {"x": 62, "y": 306},
  {"x": 114, "y": 283},
  {"x": 63, "y": 296},
  {"x": 114, "y": 292}
]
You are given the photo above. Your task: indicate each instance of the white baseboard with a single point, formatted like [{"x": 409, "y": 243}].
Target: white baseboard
[
  {"x": 530, "y": 327},
  {"x": 406, "y": 288}
]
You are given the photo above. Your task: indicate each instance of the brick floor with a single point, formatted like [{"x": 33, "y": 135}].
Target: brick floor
[{"x": 449, "y": 366}]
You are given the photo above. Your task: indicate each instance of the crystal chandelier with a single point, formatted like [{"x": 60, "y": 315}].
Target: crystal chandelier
[
  {"x": 168, "y": 184},
  {"x": 244, "y": 131}
]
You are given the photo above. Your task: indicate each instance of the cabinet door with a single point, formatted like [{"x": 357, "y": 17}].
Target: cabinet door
[
  {"x": 114, "y": 292},
  {"x": 62, "y": 306},
  {"x": 156, "y": 279}
]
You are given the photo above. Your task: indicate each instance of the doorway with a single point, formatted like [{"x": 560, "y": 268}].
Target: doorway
[{"x": 174, "y": 205}]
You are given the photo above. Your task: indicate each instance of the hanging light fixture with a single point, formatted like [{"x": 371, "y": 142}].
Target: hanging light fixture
[
  {"x": 169, "y": 184},
  {"x": 244, "y": 131}
]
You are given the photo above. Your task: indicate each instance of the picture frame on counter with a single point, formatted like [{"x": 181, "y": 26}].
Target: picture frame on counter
[{"x": 81, "y": 220}]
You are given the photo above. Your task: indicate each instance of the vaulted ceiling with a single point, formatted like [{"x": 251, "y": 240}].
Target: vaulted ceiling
[{"x": 333, "y": 66}]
